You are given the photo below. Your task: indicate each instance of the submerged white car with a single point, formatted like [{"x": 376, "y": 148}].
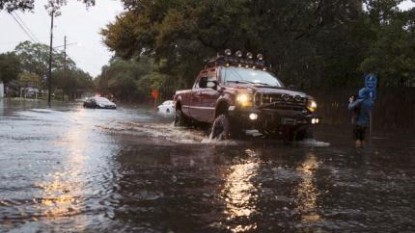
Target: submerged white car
[{"x": 166, "y": 107}]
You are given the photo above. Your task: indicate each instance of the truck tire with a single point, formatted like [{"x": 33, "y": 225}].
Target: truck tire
[
  {"x": 220, "y": 127},
  {"x": 181, "y": 119}
]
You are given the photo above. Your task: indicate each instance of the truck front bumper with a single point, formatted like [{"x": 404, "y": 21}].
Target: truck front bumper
[{"x": 272, "y": 119}]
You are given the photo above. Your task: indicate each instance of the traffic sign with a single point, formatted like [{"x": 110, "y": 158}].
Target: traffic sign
[
  {"x": 155, "y": 94},
  {"x": 371, "y": 81}
]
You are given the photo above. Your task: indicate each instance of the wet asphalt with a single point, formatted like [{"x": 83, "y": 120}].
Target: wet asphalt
[{"x": 69, "y": 169}]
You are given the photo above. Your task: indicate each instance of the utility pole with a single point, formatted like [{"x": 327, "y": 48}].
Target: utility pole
[
  {"x": 64, "y": 54},
  {"x": 64, "y": 63},
  {"x": 50, "y": 58}
]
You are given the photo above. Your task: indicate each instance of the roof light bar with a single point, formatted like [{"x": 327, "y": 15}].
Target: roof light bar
[
  {"x": 239, "y": 59},
  {"x": 238, "y": 54},
  {"x": 249, "y": 55}
]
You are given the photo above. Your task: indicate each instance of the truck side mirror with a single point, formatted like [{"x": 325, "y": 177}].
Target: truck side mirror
[
  {"x": 203, "y": 82},
  {"x": 212, "y": 84},
  {"x": 206, "y": 83}
]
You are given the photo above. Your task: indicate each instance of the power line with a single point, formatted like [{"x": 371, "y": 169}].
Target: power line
[
  {"x": 24, "y": 30},
  {"x": 28, "y": 29}
]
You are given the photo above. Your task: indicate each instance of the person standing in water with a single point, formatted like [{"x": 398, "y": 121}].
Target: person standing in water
[{"x": 361, "y": 107}]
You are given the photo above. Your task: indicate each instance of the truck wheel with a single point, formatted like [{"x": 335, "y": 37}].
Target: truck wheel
[
  {"x": 181, "y": 119},
  {"x": 220, "y": 127}
]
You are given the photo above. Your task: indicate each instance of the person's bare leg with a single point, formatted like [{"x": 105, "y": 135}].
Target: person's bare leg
[{"x": 358, "y": 143}]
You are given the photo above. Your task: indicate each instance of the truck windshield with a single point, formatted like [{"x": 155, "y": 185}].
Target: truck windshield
[{"x": 251, "y": 76}]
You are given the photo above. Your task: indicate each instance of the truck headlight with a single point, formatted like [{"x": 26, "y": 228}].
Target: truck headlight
[
  {"x": 312, "y": 105},
  {"x": 244, "y": 99}
]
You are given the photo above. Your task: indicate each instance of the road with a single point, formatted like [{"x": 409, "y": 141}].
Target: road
[{"x": 69, "y": 169}]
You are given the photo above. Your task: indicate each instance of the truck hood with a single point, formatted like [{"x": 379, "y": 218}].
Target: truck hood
[{"x": 266, "y": 90}]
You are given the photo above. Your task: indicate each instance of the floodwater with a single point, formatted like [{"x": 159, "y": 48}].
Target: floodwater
[{"x": 69, "y": 169}]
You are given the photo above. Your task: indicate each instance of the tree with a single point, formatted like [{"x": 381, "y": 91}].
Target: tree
[
  {"x": 150, "y": 82},
  {"x": 391, "y": 53},
  {"x": 27, "y": 80},
  {"x": 131, "y": 80},
  {"x": 308, "y": 43},
  {"x": 29, "y": 64},
  {"x": 9, "y": 67},
  {"x": 299, "y": 37},
  {"x": 34, "y": 58},
  {"x": 73, "y": 82}
]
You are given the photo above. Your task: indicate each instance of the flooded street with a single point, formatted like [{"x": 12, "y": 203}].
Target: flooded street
[{"x": 70, "y": 169}]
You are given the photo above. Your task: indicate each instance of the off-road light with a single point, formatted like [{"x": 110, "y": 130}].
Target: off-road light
[
  {"x": 244, "y": 100},
  {"x": 228, "y": 52},
  {"x": 238, "y": 54},
  {"x": 315, "y": 121},
  {"x": 260, "y": 57},
  {"x": 249, "y": 55},
  {"x": 253, "y": 116},
  {"x": 312, "y": 105}
]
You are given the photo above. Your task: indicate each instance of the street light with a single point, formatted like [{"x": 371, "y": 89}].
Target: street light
[{"x": 50, "y": 55}]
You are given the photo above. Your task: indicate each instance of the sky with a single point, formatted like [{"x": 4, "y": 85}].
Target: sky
[{"x": 79, "y": 24}]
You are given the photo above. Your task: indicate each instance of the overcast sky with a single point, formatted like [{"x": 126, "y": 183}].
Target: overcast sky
[{"x": 80, "y": 25}]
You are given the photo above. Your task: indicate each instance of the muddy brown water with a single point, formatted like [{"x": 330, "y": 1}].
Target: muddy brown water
[{"x": 69, "y": 169}]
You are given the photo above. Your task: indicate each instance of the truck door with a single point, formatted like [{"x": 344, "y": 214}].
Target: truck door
[
  {"x": 195, "y": 99},
  {"x": 209, "y": 96}
]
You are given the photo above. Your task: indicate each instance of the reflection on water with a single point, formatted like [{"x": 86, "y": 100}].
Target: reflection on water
[
  {"x": 240, "y": 193},
  {"x": 76, "y": 170},
  {"x": 307, "y": 190},
  {"x": 63, "y": 195}
]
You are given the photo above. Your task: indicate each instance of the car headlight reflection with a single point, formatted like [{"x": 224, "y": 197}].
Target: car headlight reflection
[{"x": 244, "y": 100}]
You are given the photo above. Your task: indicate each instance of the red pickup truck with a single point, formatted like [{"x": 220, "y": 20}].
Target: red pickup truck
[{"x": 235, "y": 94}]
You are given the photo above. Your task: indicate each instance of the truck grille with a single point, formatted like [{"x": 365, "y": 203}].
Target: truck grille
[{"x": 280, "y": 101}]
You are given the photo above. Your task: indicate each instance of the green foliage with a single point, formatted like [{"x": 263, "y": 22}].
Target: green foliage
[
  {"x": 309, "y": 43},
  {"x": 130, "y": 80},
  {"x": 392, "y": 54},
  {"x": 150, "y": 82},
  {"x": 29, "y": 65},
  {"x": 9, "y": 67},
  {"x": 26, "y": 78},
  {"x": 34, "y": 58},
  {"x": 72, "y": 82}
]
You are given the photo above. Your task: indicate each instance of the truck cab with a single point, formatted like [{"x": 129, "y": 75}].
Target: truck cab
[{"x": 235, "y": 94}]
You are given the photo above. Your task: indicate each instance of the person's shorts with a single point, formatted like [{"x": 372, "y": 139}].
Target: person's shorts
[{"x": 359, "y": 132}]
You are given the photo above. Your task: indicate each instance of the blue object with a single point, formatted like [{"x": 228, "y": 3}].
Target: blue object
[
  {"x": 366, "y": 93},
  {"x": 371, "y": 81},
  {"x": 372, "y": 94},
  {"x": 361, "y": 108},
  {"x": 363, "y": 93}
]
